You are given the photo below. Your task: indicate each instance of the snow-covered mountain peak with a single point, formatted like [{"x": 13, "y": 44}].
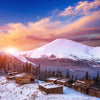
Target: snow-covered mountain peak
[
  {"x": 64, "y": 48},
  {"x": 65, "y": 42}
]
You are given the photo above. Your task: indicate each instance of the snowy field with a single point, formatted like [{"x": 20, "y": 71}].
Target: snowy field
[{"x": 11, "y": 91}]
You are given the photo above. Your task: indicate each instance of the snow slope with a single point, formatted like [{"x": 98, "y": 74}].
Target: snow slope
[
  {"x": 21, "y": 58},
  {"x": 9, "y": 90},
  {"x": 64, "y": 48}
]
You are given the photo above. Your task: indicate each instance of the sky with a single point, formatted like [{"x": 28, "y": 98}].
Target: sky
[{"x": 28, "y": 24}]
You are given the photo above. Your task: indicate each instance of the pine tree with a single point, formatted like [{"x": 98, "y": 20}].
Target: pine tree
[
  {"x": 53, "y": 73},
  {"x": 97, "y": 78},
  {"x": 49, "y": 73},
  {"x": 67, "y": 75},
  {"x": 29, "y": 68},
  {"x": 57, "y": 74},
  {"x": 5, "y": 59},
  {"x": 87, "y": 75},
  {"x": 45, "y": 75},
  {"x": 60, "y": 74},
  {"x": 93, "y": 77},
  {"x": 72, "y": 77},
  {"x": 39, "y": 69},
  {"x": 75, "y": 78},
  {"x": 23, "y": 68},
  {"x": 97, "y": 75},
  {"x": 26, "y": 67},
  {"x": 33, "y": 70},
  {"x": 8, "y": 67}
]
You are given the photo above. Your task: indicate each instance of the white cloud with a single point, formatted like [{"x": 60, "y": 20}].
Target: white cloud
[{"x": 82, "y": 8}]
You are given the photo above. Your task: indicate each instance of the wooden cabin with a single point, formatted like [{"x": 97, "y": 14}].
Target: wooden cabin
[
  {"x": 51, "y": 88},
  {"x": 9, "y": 78},
  {"x": 52, "y": 79},
  {"x": 12, "y": 72},
  {"x": 94, "y": 90},
  {"x": 82, "y": 85},
  {"x": 11, "y": 75},
  {"x": 24, "y": 78}
]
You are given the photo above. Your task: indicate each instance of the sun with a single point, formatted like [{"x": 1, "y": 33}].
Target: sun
[{"x": 11, "y": 50}]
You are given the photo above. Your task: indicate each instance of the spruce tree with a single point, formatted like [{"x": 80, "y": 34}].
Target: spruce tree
[
  {"x": 72, "y": 77},
  {"x": 67, "y": 75},
  {"x": 23, "y": 68},
  {"x": 26, "y": 67},
  {"x": 53, "y": 73},
  {"x": 97, "y": 78},
  {"x": 97, "y": 75},
  {"x": 57, "y": 73},
  {"x": 29, "y": 68},
  {"x": 49, "y": 73},
  {"x": 75, "y": 78},
  {"x": 87, "y": 75},
  {"x": 39, "y": 69}
]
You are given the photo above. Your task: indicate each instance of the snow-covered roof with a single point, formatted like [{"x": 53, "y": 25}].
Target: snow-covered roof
[
  {"x": 50, "y": 85},
  {"x": 63, "y": 80},
  {"x": 52, "y": 78},
  {"x": 20, "y": 75},
  {"x": 80, "y": 81},
  {"x": 11, "y": 77},
  {"x": 12, "y": 73},
  {"x": 95, "y": 88}
]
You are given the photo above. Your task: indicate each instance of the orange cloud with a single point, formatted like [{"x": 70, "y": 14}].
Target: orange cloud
[
  {"x": 36, "y": 34},
  {"x": 25, "y": 37}
]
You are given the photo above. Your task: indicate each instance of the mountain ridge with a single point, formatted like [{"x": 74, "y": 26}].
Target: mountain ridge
[{"x": 64, "y": 48}]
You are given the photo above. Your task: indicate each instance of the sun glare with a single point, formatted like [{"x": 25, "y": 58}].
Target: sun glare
[{"x": 11, "y": 50}]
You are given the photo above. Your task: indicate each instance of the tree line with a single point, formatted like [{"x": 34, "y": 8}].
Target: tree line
[{"x": 13, "y": 64}]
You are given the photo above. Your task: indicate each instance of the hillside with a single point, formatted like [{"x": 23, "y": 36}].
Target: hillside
[{"x": 14, "y": 57}]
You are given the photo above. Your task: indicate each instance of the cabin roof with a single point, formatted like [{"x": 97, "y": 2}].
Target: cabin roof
[
  {"x": 12, "y": 73},
  {"x": 50, "y": 85},
  {"x": 24, "y": 75},
  {"x": 63, "y": 80},
  {"x": 20, "y": 75},
  {"x": 95, "y": 86},
  {"x": 52, "y": 78},
  {"x": 83, "y": 83}
]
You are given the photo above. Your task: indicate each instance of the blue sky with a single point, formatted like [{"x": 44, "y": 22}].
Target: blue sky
[
  {"x": 28, "y": 24},
  {"x": 25, "y": 11}
]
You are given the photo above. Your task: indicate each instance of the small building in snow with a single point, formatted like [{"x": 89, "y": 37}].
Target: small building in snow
[
  {"x": 65, "y": 82},
  {"x": 94, "y": 90},
  {"x": 11, "y": 74},
  {"x": 52, "y": 79},
  {"x": 24, "y": 78},
  {"x": 51, "y": 88},
  {"x": 82, "y": 85},
  {"x": 9, "y": 78}
]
